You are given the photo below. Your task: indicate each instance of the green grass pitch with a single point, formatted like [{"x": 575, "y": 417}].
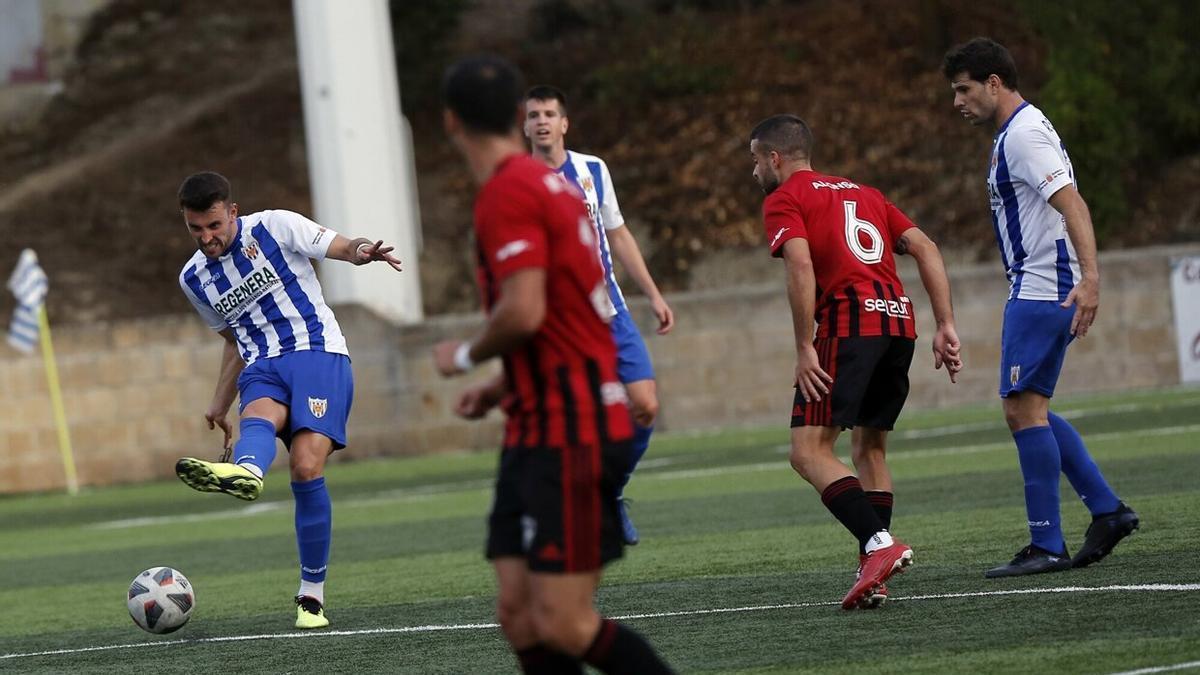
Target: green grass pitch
[{"x": 726, "y": 525}]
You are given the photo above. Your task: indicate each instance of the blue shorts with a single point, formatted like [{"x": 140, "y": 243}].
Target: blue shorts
[
  {"x": 317, "y": 388},
  {"x": 633, "y": 360},
  {"x": 1033, "y": 344}
]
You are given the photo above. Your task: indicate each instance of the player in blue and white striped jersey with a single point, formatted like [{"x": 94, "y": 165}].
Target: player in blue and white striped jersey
[
  {"x": 546, "y": 126},
  {"x": 1048, "y": 247},
  {"x": 285, "y": 358}
]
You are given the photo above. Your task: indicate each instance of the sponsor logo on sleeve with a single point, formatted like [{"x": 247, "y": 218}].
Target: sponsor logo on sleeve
[
  {"x": 1051, "y": 177},
  {"x": 320, "y": 235},
  {"x": 778, "y": 235},
  {"x": 512, "y": 248}
]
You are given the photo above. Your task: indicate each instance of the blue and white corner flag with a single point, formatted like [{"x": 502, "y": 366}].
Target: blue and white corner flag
[{"x": 28, "y": 284}]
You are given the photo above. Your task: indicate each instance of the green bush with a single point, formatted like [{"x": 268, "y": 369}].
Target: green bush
[
  {"x": 1123, "y": 90},
  {"x": 420, "y": 31}
]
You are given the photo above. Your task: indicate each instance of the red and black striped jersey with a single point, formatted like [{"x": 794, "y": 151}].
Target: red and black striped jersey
[
  {"x": 562, "y": 383},
  {"x": 851, "y": 230}
]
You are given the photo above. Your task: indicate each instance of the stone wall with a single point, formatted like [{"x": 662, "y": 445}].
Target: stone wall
[{"x": 136, "y": 391}]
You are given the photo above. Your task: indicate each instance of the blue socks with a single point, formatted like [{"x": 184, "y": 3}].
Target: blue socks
[
  {"x": 639, "y": 443},
  {"x": 314, "y": 524},
  {"x": 256, "y": 444},
  {"x": 1083, "y": 473},
  {"x": 1040, "y": 465}
]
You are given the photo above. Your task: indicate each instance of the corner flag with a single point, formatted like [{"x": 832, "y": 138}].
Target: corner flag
[
  {"x": 28, "y": 284},
  {"x": 29, "y": 326}
]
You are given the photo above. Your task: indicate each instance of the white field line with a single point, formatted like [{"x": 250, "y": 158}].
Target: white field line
[
  {"x": 1161, "y": 669},
  {"x": 434, "y": 628},
  {"x": 1069, "y": 413},
  {"x": 911, "y": 454},
  {"x": 426, "y": 492}
]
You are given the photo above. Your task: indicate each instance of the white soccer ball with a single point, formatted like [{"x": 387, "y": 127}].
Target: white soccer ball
[{"x": 161, "y": 600}]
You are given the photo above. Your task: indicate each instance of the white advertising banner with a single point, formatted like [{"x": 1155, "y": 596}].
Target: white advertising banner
[{"x": 1185, "y": 295}]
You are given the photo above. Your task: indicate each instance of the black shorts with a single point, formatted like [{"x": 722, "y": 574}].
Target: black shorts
[
  {"x": 558, "y": 507},
  {"x": 870, "y": 383}
]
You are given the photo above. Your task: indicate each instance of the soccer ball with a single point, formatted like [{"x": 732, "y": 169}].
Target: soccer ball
[{"x": 161, "y": 600}]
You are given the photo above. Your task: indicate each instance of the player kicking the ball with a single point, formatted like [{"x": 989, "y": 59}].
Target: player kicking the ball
[
  {"x": 837, "y": 240},
  {"x": 284, "y": 356}
]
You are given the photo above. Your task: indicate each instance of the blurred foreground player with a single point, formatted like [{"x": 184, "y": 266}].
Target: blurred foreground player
[
  {"x": 837, "y": 240},
  {"x": 554, "y": 521},
  {"x": 285, "y": 358}
]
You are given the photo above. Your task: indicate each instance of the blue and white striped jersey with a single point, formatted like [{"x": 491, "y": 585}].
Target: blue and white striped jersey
[
  {"x": 264, "y": 287},
  {"x": 590, "y": 174},
  {"x": 1030, "y": 164}
]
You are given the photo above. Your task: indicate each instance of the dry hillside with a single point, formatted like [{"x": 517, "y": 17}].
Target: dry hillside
[{"x": 162, "y": 89}]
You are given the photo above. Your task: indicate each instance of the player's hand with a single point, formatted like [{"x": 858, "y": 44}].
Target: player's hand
[
  {"x": 219, "y": 418},
  {"x": 812, "y": 380},
  {"x": 662, "y": 312},
  {"x": 366, "y": 253},
  {"x": 946, "y": 351},
  {"x": 443, "y": 357},
  {"x": 475, "y": 402},
  {"x": 1086, "y": 298}
]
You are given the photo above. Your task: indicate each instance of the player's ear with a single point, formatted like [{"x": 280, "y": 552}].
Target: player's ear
[
  {"x": 450, "y": 122},
  {"x": 233, "y": 210},
  {"x": 566, "y": 124}
]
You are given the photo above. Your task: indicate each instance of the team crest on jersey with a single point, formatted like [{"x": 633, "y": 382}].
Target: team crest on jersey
[
  {"x": 250, "y": 250},
  {"x": 587, "y": 184},
  {"x": 1014, "y": 375},
  {"x": 318, "y": 406}
]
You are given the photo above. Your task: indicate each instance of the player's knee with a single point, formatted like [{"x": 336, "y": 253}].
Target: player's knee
[
  {"x": 563, "y": 629},
  {"x": 514, "y": 618},
  {"x": 867, "y": 455},
  {"x": 306, "y": 468},
  {"x": 801, "y": 462}
]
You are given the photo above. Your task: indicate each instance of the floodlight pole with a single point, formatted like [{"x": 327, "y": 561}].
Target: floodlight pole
[{"x": 359, "y": 149}]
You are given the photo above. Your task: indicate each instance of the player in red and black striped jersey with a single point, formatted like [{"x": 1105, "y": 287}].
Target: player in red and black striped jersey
[
  {"x": 837, "y": 239},
  {"x": 554, "y": 521}
]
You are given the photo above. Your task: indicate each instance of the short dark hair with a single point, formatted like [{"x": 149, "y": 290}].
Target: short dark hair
[
  {"x": 200, "y": 191},
  {"x": 545, "y": 92},
  {"x": 485, "y": 91},
  {"x": 980, "y": 58},
  {"x": 786, "y": 134}
]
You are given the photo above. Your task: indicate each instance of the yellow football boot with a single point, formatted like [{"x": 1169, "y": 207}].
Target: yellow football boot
[
  {"x": 310, "y": 613},
  {"x": 219, "y": 477}
]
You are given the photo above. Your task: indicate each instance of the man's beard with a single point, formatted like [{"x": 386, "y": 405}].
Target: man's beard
[{"x": 768, "y": 184}]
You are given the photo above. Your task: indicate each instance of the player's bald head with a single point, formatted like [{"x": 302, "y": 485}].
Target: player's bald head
[{"x": 787, "y": 135}]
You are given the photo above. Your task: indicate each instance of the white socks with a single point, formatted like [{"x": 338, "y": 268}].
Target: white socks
[
  {"x": 252, "y": 468},
  {"x": 313, "y": 589},
  {"x": 879, "y": 540}
]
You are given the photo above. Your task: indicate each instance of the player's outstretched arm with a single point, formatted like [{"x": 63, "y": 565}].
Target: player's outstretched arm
[
  {"x": 515, "y": 317},
  {"x": 946, "y": 346},
  {"x": 627, "y": 252},
  {"x": 811, "y": 378},
  {"x": 362, "y": 251},
  {"x": 231, "y": 366},
  {"x": 1086, "y": 294}
]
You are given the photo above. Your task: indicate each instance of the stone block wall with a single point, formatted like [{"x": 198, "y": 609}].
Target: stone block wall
[{"x": 136, "y": 391}]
